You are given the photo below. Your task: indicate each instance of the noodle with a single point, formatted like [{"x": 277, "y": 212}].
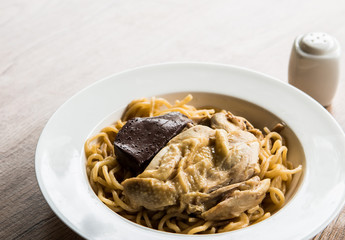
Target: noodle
[{"x": 106, "y": 174}]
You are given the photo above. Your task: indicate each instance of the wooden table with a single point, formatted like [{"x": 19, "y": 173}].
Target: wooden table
[{"x": 49, "y": 50}]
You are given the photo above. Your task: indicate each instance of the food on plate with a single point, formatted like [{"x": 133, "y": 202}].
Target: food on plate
[{"x": 209, "y": 171}]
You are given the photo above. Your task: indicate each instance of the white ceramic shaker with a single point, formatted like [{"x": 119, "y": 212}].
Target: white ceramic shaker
[{"x": 314, "y": 66}]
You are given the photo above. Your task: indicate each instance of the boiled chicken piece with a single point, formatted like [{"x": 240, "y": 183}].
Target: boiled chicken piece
[
  {"x": 236, "y": 200},
  {"x": 194, "y": 166},
  {"x": 241, "y": 149},
  {"x": 150, "y": 193},
  {"x": 220, "y": 121},
  {"x": 229, "y": 122}
]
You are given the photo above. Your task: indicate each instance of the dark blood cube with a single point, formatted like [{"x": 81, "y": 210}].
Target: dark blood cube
[{"x": 140, "y": 139}]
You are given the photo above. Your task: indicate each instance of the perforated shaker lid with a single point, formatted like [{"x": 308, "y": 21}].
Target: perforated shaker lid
[{"x": 317, "y": 43}]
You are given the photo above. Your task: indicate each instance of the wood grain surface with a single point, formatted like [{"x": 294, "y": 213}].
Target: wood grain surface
[{"x": 49, "y": 50}]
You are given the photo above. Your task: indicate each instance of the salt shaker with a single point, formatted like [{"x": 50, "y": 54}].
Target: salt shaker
[{"x": 314, "y": 66}]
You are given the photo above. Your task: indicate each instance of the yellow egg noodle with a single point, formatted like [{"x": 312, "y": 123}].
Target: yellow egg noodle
[{"x": 105, "y": 173}]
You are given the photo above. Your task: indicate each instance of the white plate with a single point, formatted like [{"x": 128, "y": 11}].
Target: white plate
[{"x": 60, "y": 166}]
